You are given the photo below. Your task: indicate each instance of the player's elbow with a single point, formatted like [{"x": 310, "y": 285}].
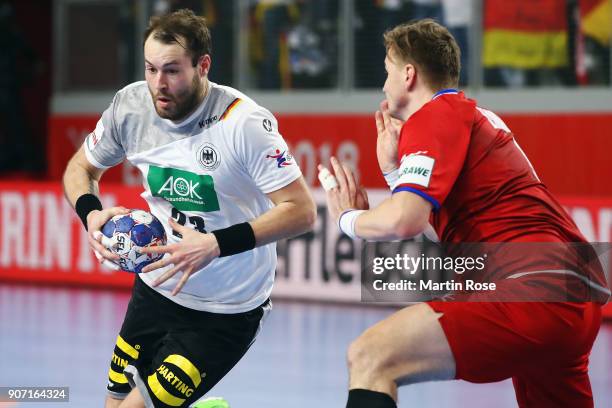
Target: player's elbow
[
  {"x": 411, "y": 215},
  {"x": 79, "y": 168},
  {"x": 406, "y": 226},
  {"x": 310, "y": 214}
]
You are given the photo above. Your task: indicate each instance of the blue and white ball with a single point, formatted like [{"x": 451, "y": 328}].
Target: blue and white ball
[{"x": 128, "y": 233}]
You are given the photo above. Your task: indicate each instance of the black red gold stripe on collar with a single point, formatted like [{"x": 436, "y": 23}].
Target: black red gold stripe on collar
[{"x": 230, "y": 108}]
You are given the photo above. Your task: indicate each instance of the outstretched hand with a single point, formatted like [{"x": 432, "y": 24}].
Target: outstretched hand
[
  {"x": 192, "y": 253},
  {"x": 348, "y": 194}
]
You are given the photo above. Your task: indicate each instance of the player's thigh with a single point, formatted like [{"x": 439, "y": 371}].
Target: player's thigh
[
  {"x": 409, "y": 346},
  {"x": 493, "y": 341},
  {"x": 195, "y": 356},
  {"x": 559, "y": 387},
  {"x": 558, "y": 374},
  {"x": 138, "y": 339}
]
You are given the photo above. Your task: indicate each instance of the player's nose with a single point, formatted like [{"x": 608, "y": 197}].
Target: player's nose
[{"x": 160, "y": 82}]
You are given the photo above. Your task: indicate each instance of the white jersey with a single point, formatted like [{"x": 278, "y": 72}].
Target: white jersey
[{"x": 210, "y": 171}]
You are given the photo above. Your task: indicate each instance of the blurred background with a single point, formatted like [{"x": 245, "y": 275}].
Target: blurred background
[{"x": 542, "y": 65}]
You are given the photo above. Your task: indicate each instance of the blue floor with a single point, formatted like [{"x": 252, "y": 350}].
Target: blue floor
[{"x": 65, "y": 337}]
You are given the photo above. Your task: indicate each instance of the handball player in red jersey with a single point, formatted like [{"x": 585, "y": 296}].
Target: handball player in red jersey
[{"x": 455, "y": 166}]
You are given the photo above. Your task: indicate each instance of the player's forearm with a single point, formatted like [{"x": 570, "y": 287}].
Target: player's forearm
[
  {"x": 78, "y": 181},
  {"x": 393, "y": 219},
  {"x": 285, "y": 220}
]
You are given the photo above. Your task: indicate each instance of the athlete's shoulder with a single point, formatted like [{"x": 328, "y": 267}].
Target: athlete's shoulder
[
  {"x": 484, "y": 115},
  {"x": 132, "y": 101},
  {"x": 443, "y": 113},
  {"x": 136, "y": 91},
  {"x": 223, "y": 102},
  {"x": 453, "y": 104},
  {"x": 237, "y": 110}
]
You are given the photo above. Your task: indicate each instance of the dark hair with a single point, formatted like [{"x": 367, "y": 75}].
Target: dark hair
[
  {"x": 431, "y": 47},
  {"x": 184, "y": 28}
]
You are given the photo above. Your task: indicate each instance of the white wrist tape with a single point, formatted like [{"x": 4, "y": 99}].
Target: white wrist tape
[
  {"x": 347, "y": 222},
  {"x": 391, "y": 178},
  {"x": 327, "y": 180}
]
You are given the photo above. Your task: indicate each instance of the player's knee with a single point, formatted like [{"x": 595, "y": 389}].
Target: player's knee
[
  {"x": 353, "y": 354},
  {"x": 363, "y": 355},
  {"x": 368, "y": 356}
]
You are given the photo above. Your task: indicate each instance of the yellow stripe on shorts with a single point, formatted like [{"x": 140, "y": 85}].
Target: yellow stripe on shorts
[
  {"x": 187, "y": 366},
  {"x": 161, "y": 393},
  {"x": 119, "y": 378},
  {"x": 126, "y": 348}
]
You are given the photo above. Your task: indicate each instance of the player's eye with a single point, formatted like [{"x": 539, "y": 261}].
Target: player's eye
[
  {"x": 172, "y": 71},
  {"x": 151, "y": 70}
]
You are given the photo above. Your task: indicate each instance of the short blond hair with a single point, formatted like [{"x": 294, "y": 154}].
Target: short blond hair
[{"x": 429, "y": 46}]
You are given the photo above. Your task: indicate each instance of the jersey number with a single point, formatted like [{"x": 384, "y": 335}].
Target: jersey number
[{"x": 194, "y": 220}]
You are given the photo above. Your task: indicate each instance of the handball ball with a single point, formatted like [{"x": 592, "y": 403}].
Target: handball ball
[{"x": 128, "y": 233}]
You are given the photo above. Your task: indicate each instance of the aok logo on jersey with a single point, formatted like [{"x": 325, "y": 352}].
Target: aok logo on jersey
[{"x": 185, "y": 190}]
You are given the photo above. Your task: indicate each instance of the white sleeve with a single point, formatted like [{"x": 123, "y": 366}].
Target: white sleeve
[
  {"x": 101, "y": 146},
  {"x": 264, "y": 153}
]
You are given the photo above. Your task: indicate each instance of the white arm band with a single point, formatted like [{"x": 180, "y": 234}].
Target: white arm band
[
  {"x": 391, "y": 178},
  {"x": 347, "y": 222}
]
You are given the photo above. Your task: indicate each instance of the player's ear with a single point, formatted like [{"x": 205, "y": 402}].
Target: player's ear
[
  {"x": 203, "y": 65},
  {"x": 410, "y": 74}
]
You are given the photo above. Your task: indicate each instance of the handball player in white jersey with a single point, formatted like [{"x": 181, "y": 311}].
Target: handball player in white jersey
[{"x": 218, "y": 175}]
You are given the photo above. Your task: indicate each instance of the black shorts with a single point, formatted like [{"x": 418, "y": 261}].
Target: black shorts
[{"x": 173, "y": 354}]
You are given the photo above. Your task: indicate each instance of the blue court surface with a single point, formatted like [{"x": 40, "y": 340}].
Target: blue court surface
[{"x": 65, "y": 337}]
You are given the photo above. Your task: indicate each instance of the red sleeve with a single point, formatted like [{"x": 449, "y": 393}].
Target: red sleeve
[{"x": 432, "y": 148}]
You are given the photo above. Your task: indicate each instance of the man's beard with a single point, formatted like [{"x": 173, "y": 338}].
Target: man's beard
[{"x": 184, "y": 103}]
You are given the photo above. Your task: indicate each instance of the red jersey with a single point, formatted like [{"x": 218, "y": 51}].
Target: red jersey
[{"x": 464, "y": 160}]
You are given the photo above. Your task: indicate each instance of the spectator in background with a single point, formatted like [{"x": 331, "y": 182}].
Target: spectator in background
[
  {"x": 127, "y": 51},
  {"x": 426, "y": 9},
  {"x": 294, "y": 43},
  {"x": 272, "y": 19},
  {"x": 377, "y": 16},
  {"x": 220, "y": 17},
  {"x": 373, "y": 18},
  {"x": 313, "y": 44}
]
